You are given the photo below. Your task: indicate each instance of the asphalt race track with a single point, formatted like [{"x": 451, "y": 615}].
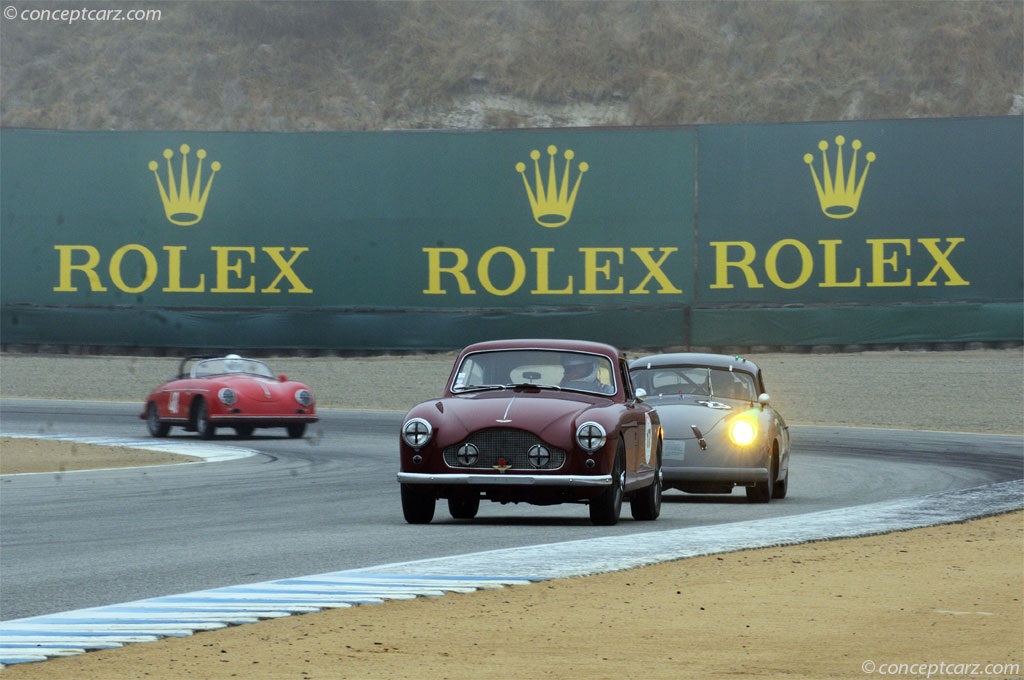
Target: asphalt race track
[{"x": 329, "y": 503}]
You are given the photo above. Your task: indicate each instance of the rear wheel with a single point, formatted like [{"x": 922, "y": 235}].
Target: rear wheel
[
  {"x": 605, "y": 509},
  {"x": 153, "y": 424},
  {"x": 465, "y": 507},
  {"x": 417, "y": 506}
]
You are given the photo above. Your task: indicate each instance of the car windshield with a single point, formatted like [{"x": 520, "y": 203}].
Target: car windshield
[
  {"x": 545, "y": 368},
  {"x": 225, "y": 365},
  {"x": 699, "y": 380}
]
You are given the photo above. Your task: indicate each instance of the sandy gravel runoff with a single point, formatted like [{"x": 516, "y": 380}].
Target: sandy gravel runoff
[{"x": 934, "y": 602}]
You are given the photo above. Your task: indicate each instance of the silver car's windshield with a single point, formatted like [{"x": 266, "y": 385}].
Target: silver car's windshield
[
  {"x": 698, "y": 380},
  {"x": 231, "y": 365},
  {"x": 542, "y": 368}
]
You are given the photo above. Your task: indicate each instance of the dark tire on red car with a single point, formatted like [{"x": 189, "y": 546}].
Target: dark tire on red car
[
  {"x": 204, "y": 427},
  {"x": 418, "y": 507},
  {"x": 465, "y": 507},
  {"x": 296, "y": 430},
  {"x": 153, "y": 424},
  {"x": 645, "y": 505},
  {"x": 605, "y": 509}
]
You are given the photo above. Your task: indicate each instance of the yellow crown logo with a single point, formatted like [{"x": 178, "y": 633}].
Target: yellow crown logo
[
  {"x": 552, "y": 202},
  {"x": 184, "y": 200},
  {"x": 839, "y": 196}
]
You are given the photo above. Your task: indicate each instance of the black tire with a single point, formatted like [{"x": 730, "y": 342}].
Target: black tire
[
  {"x": 645, "y": 505},
  {"x": 204, "y": 427},
  {"x": 605, "y": 509},
  {"x": 781, "y": 487},
  {"x": 762, "y": 491},
  {"x": 417, "y": 506},
  {"x": 296, "y": 430},
  {"x": 244, "y": 431},
  {"x": 153, "y": 424},
  {"x": 464, "y": 507}
]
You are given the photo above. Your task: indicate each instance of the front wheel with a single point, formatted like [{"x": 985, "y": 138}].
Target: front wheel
[
  {"x": 296, "y": 430},
  {"x": 204, "y": 427},
  {"x": 645, "y": 505},
  {"x": 417, "y": 506},
  {"x": 605, "y": 509},
  {"x": 761, "y": 492},
  {"x": 153, "y": 424},
  {"x": 464, "y": 508}
]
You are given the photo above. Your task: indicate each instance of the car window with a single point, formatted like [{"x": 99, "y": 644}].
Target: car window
[
  {"x": 569, "y": 370},
  {"x": 697, "y": 380}
]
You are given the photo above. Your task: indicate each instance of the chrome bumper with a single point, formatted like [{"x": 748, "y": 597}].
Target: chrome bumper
[{"x": 503, "y": 480}]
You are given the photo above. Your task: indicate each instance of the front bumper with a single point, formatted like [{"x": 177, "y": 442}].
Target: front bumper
[{"x": 504, "y": 480}]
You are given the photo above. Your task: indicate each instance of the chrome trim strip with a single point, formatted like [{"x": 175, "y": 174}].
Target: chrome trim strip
[{"x": 503, "y": 480}]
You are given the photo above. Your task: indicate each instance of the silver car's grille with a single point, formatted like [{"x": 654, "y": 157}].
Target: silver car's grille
[{"x": 510, "y": 444}]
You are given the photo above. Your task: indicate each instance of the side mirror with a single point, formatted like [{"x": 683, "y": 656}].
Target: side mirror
[
  {"x": 641, "y": 393},
  {"x": 763, "y": 399},
  {"x": 284, "y": 378}
]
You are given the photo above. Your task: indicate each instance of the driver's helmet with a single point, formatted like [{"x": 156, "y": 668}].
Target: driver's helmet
[
  {"x": 579, "y": 368},
  {"x": 233, "y": 363}
]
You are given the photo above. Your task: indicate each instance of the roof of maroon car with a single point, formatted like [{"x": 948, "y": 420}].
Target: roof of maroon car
[{"x": 540, "y": 343}]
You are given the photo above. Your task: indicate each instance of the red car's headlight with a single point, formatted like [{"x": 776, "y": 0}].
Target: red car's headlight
[
  {"x": 227, "y": 396},
  {"x": 304, "y": 397}
]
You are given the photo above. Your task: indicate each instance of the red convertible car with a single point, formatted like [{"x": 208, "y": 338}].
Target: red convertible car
[
  {"x": 533, "y": 421},
  {"x": 228, "y": 391}
]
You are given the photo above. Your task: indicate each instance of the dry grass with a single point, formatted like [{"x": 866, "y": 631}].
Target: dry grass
[{"x": 401, "y": 64}]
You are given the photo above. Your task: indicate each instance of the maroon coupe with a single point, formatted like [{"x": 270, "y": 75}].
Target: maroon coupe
[{"x": 533, "y": 421}]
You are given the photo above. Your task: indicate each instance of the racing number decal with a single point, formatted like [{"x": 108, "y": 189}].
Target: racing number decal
[{"x": 172, "y": 403}]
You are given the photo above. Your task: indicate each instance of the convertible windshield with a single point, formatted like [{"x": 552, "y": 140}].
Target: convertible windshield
[
  {"x": 544, "y": 368},
  {"x": 231, "y": 365},
  {"x": 698, "y": 380}
]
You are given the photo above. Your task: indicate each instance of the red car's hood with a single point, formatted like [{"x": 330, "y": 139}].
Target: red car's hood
[
  {"x": 548, "y": 414},
  {"x": 259, "y": 389}
]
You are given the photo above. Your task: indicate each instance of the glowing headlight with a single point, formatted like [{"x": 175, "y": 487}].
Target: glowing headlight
[
  {"x": 227, "y": 396},
  {"x": 742, "y": 432},
  {"x": 590, "y": 436},
  {"x": 304, "y": 397},
  {"x": 468, "y": 455},
  {"x": 417, "y": 433}
]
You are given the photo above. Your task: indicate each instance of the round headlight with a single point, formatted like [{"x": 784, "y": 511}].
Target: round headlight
[
  {"x": 227, "y": 396},
  {"x": 417, "y": 432},
  {"x": 304, "y": 397},
  {"x": 742, "y": 432},
  {"x": 468, "y": 455},
  {"x": 539, "y": 456},
  {"x": 590, "y": 436}
]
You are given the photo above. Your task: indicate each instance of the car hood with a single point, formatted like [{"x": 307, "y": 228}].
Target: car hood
[
  {"x": 257, "y": 388},
  {"x": 679, "y": 413},
  {"x": 549, "y": 414}
]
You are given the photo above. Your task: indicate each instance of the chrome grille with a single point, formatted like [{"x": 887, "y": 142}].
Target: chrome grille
[{"x": 510, "y": 444}]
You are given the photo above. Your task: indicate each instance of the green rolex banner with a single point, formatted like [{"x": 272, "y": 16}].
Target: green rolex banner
[{"x": 861, "y": 212}]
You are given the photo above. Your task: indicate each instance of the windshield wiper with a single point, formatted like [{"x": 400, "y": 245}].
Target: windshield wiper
[
  {"x": 539, "y": 386},
  {"x": 479, "y": 388}
]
